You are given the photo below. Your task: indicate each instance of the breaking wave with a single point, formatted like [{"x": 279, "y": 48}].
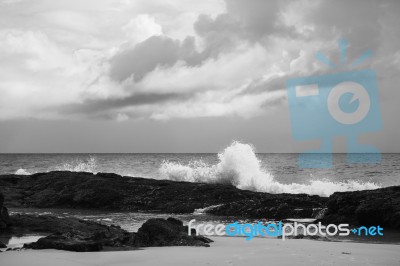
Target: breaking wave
[
  {"x": 88, "y": 165},
  {"x": 22, "y": 171},
  {"x": 78, "y": 165},
  {"x": 239, "y": 166}
]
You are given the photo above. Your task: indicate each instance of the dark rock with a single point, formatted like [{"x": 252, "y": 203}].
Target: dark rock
[
  {"x": 3, "y": 226},
  {"x": 170, "y": 232},
  {"x": 367, "y": 207},
  {"x": 62, "y": 189},
  {"x": 175, "y": 221},
  {"x": 2, "y": 245},
  {"x": 4, "y": 217},
  {"x": 68, "y": 233},
  {"x": 271, "y": 206},
  {"x": 83, "y": 236},
  {"x": 66, "y": 241},
  {"x": 21, "y": 223}
]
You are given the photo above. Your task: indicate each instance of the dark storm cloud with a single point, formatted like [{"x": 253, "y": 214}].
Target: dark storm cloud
[
  {"x": 257, "y": 17},
  {"x": 360, "y": 22},
  {"x": 156, "y": 51},
  {"x": 93, "y": 106},
  {"x": 244, "y": 20}
]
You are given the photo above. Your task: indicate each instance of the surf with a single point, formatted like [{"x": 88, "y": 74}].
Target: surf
[{"x": 238, "y": 165}]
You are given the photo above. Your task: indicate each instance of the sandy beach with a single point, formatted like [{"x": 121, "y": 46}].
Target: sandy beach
[{"x": 224, "y": 251}]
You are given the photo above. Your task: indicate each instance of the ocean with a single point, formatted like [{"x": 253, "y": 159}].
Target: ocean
[{"x": 238, "y": 164}]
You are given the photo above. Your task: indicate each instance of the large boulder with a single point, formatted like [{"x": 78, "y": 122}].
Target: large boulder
[
  {"x": 66, "y": 241},
  {"x": 68, "y": 233},
  {"x": 366, "y": 207},
  {"x": 169, "y": 232},
  {"x": 79, "y": 235}
]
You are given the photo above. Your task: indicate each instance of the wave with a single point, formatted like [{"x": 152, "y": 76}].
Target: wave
[
  {"x": 239, "y": 166},
  {"x": 88, "y": 165},
  {"x": 204, "y": 210},
  {"x": 22, "y": 171},
  {"x": 82, "y": 165}
]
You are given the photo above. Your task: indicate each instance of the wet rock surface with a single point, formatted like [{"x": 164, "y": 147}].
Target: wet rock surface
[
  {"x": 73, "y": 234},
  {"x": 114, "y": 192},
  {"x": 367, "y": 207},
  {"x": 161, "y": 232}
]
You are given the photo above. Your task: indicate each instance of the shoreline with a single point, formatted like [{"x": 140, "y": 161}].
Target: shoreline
[
  {"x": 377, "y": 208},
  {"x": 391, "y": 236},
  {"x": 108, "y": 191},
  {"x": 224, "y": 251}
]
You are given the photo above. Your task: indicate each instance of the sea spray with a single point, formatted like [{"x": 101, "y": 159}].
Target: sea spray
[
  {"x": 88, "y": 165},
  {"x": 22, "y": 171},
  {"x": 239, "y": 166},
  {"x": 77, "y": 165}
]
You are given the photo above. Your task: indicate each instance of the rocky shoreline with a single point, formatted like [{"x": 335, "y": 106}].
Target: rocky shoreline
[
  {"x": 121, "y": 193},
  {"x": 114, "y": 192},
  {"x": 105, "y": 191},
  {"x": 72, "y": 234}
]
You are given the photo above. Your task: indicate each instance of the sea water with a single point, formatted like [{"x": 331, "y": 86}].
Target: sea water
[{"x": 238, "y": 164}]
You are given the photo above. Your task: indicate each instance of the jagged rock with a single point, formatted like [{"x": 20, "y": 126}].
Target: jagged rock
[
  {"x": 62, "y": 189},
  {"x": 366, "y": 207},
  {"x": 23, "y": 223},
  {"x": 66, "y": 241},
  {"x": 68, "y": 233},
  {"x": 82, "y": 236},
  {"x": 271, "y": 206},
  {"x": 170, "y": 232}
]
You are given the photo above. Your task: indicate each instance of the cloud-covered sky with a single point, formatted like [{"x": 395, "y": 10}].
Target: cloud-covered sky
[{"x": 178, "y": 76}]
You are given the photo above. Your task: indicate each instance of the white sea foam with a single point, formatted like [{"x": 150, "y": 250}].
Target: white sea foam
[
  {"x": 204, "y": 210},
  {"x": 22, "y": 171},
  {"x": 79, "y": 165},
  {"x": 238, "y": 165},
  {"x": 88, "y": 165}
]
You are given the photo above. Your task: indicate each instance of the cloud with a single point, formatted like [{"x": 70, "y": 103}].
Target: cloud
[
  {"x": 93, "y": 107},
  {"x": 141, "y": 28},
  {"x": 144, "y": 57},
  {"x": 163, "y": 60}
]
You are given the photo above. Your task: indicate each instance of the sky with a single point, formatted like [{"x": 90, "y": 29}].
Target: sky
[{"x": 180, "y": 76}]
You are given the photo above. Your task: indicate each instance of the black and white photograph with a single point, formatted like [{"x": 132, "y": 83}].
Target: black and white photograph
[{"x": 214, "y": 132}]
